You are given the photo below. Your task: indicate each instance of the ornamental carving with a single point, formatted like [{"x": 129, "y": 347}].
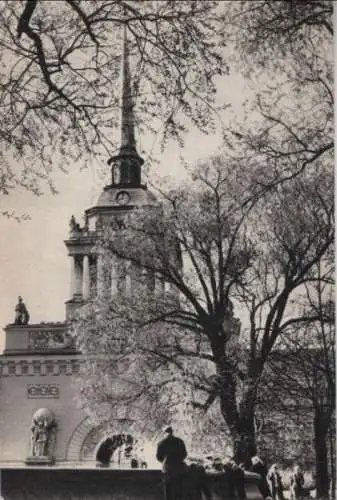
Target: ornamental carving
[
  {"x": 42, "y": 340},
  {"x": 38, "y": 367},
  {"x": 43, "y": 391},
  {"x": 91, "y": 442}
]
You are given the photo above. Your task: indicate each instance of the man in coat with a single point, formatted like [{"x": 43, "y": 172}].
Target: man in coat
[
  {"x": 260, "y": 468},
  {"x": 171, "y": 452}
]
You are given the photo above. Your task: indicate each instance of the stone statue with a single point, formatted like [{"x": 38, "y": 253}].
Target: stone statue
[
  {"x": 74, "y": 226},
  {"x": 42, "y": 434},
  {"x": 40, "y": 439},
  {"x": 21, "y": 313}
]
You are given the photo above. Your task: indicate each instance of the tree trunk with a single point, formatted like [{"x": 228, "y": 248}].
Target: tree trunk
[
  {"x": 332, "y": 443},
  {"x": 244, "y": 444},
  {"x": 321, "y": 455},
  {"x": 241, "y": 425}
]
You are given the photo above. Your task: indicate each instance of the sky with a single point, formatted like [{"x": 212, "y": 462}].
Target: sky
[{"x": 33, "y": 258}]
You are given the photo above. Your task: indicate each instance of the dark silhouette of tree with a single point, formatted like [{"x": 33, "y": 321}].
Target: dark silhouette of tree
[
  {"x": 217, "y": 242},
  {"x": 252, "y": 225}
]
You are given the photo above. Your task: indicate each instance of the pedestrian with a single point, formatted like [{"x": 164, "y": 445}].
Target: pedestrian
[
  {"x": 217, "y": 465},
  {"x": 259, "y": 467},
  {"x": 171, "y": 452},
  {"x": 235, "y": 480},
  {"x": 296, "y": 483},
  {"x": 196, "y": 484},
  {"x": 275, "y": 481}
]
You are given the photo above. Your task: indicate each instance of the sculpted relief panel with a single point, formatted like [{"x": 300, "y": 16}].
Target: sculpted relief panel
[
  {"x": 43, "y": 391},
  {"x": 43, "y": 340}
]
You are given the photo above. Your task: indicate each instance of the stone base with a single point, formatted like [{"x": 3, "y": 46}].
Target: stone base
[
  {"x": 39, "y": 460},
  {"x": 47, "y": 483}
]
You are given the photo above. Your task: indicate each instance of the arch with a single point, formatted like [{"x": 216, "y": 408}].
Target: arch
[
  {"x": 87, "y": 438},
  {"x": 75, "y": 442},
  {"x": 116, "y": 448},
  {"x": 91, "y": 442}
]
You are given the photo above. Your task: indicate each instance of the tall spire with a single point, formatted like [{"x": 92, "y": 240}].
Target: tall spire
[
  {"x": 128, "y": 140},
  {"x": 126, "y": 165}
]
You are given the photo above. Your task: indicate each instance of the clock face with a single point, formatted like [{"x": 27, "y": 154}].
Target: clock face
[{"x": 122, "y": 197}]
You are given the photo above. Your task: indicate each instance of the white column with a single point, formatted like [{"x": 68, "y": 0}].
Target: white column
[
  {"x": 114, "y": 276},
  {"x": 72, "y": 277},
  {"x": 128, "y": 271},
  {"x": 78, "y": 277},
  {"x": 100, "y": 276},
  {"x": 86, "y": 278},
  {"x": 121, "y": 272}
]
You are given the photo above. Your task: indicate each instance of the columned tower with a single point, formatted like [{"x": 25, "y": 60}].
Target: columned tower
[{"x": 125, "y": 193}]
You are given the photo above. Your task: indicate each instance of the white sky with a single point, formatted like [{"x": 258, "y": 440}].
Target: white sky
[{"x": 33, "y": 257}]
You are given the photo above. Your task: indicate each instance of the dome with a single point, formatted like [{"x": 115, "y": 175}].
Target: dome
[
  {"x": 43, "y": 414},
  {"x": 117, "y": 196}
]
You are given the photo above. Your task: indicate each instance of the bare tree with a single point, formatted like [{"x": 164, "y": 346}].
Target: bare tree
[
  {"x": 303, "y": 371},
  {"x": 59, "y": 89},
  {"x": 61, "y": 62},
  {"x": 285, "y": 50}
]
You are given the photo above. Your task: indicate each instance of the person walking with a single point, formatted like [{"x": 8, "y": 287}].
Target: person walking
[
  {"x": 171, "y": 453},
  {"x": 275, "y": 481},
  {"x": 259, "y": 467},
  {"x": 296, "y": 484}
]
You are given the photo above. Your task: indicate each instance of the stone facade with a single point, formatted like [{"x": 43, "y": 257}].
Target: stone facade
[{"x": 37, "y": 370}]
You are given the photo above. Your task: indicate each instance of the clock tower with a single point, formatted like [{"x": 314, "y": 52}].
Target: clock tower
[{"x": 125, "y": 193}]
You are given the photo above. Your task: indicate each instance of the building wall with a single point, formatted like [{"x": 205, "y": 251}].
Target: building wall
[{"x": 21, "y": 394}]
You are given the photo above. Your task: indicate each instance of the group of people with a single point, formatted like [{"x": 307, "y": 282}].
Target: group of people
[
  {"x": 271, "y": 484},
  {"x": 188, "y": 481}
]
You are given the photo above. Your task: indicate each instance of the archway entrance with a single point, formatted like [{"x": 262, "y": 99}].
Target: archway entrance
[
  {"x": 109, "y": 446},
  {"x": 117, "y": 450}
]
